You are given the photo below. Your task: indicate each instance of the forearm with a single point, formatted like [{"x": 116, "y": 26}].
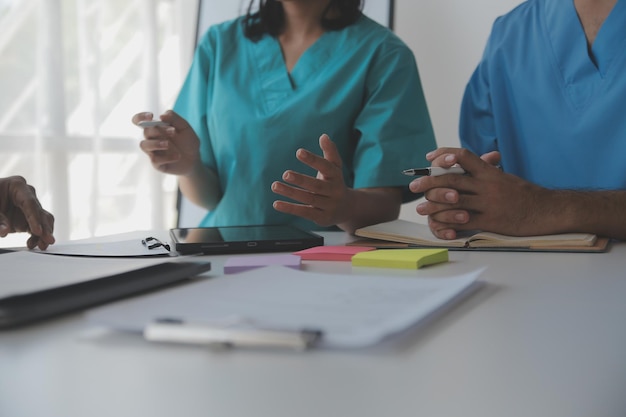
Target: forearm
[
  {"x": 599, "y": 212},
  {"x": 201, "y": 186},
  {"x": 369, "y": 206}
]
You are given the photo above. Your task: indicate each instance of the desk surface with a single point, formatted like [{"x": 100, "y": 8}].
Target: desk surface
[{"x": 545, "y": 337}]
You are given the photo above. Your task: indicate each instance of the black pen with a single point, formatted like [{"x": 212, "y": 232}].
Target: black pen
[{"x": 433, "y": 171}]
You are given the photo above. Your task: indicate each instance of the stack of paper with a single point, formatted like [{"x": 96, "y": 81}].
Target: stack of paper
[{"x": 348, "y": 310}]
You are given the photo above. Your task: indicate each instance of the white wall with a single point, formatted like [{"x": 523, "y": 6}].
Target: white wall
[{"x": 447, "y": 38}]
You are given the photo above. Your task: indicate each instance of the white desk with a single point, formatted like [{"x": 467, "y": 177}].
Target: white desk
[{"x": 545, "y": 337}]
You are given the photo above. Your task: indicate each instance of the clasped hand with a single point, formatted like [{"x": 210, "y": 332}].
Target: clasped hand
[{"x": 484, "y": 199}]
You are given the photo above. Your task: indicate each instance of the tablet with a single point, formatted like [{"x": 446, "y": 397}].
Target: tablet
[{"x": 243, "y": 239}]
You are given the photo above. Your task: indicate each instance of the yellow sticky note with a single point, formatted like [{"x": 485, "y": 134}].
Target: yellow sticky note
[{"x": 400, "y": 258}]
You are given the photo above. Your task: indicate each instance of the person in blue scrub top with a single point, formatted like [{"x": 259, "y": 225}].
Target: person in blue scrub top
[
  {"x": 20, "y": 211},
  {"x": 548, "y": 103},
  {"x": 266, "y": 90}
]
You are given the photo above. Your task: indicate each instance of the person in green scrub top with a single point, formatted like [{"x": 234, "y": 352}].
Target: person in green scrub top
[
  {"x": 266, "y": 90},
  {"x": 20, "y": 211}
]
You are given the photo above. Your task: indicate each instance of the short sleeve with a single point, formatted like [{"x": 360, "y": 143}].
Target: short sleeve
[
  {"x": 477, "y": 129},
  {"x": 194, "y": 99},
  {"x": 394, "y": 130}
]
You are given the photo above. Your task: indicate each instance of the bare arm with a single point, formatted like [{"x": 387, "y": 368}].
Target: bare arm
[
  {"x": 201, "y": 186},
  {"x": 488, "y": 199}
]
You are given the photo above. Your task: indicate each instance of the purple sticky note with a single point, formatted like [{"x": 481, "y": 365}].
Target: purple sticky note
[{"x": 243, "y": 263}]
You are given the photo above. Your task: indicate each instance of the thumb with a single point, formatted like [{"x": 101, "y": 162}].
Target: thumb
[
  {"x": 5, "y": 225},
  {"x": 330, "y": 150},
  {"x": 175, "y": 120},
  {"x": 492, "y": 158}
]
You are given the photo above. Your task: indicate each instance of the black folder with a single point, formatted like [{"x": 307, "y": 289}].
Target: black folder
[{"x": 26, "y": 308}]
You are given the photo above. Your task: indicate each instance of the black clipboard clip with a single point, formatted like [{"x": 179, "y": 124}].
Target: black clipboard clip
[{"x": 153, "y": 243}]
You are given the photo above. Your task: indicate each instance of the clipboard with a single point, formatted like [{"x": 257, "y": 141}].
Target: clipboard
[
  {"x": 281, "y": 307},
  {"x": 27, "y": 307}
]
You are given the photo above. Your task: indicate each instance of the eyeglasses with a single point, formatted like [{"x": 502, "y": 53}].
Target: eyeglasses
[{"x": 153, "y": 242}]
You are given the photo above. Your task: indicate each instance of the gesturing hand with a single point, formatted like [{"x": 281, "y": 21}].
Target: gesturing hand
[{"x": 324, "y": 199}]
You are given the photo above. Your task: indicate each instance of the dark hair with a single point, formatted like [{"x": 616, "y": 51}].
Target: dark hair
[{"x": 270, "y": 17}]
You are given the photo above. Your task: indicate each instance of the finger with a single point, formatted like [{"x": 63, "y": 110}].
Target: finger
[
  {"x": 139, "y": 117},
  {"x": 160, "y": 153},
  {"x": 427, "y": 208},
  {"x": 47, "y": 224},
  {"x": 25, "y": 199},
  {"x": 441, "y": 230},
  {"x": 328, "y": 169},
  {"x": 442, "y": 195},
  {"x": 173, "y": 118},
  {"x": 307, "y": 212},
  {"x": 5, "y": 225},
  {"x": 447, "y": 157},
  {"x": 301, "y": 196},
  {"x": 331, "y": 153},
  {"x": 151, "y": 145},
  {"x": 432, "y": 155},
  {"x": 451, "y": 217},
  {"x": 492, "y": 158},
  {"x": 306, "y": 182},
  {"x": 37, "y": 241},
  {"x": 463, "y": 184}
]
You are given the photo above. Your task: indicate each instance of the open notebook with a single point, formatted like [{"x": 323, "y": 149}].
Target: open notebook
[{"x": 403, "y": 233}]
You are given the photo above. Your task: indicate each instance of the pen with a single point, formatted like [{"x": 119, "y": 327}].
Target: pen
[
  {"x": 172, "y": 330},
  {"x": 434, "y": 171}
]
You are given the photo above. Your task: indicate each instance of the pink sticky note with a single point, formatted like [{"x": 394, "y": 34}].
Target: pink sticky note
[
  {"x": 243, "y": 263},
  {"x": 331, "y": 253}
]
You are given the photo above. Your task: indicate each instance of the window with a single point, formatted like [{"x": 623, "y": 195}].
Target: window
[{"x": 72, "y": 74}]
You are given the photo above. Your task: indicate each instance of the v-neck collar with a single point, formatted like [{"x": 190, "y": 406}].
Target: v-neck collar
[
  {"x": 611, "y": 39},
  {"x": 570, "y": 43},
  {"x": 581, "y": 75},
  {"x": 276, "y": 82}
]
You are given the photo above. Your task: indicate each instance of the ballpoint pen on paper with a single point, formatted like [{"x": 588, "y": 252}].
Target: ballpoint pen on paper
[
  {"x": 179, "y": 331},
  {"x": 434, "y": 171}
]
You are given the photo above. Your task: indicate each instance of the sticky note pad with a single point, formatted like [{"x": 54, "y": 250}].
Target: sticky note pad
[
  {"x": 400, "y": 258},
  {"x": 331, "y": 253},
  {"x": 237, "y": 264}
]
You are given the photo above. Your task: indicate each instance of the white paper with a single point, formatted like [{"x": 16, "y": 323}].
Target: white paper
[
  {"x": 23, "y": 272},
  {"x": 123, "y": 248},
  {"x": 350, "y": 310}
]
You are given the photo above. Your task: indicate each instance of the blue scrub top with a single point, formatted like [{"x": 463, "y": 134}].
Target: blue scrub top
[
  {"x": 557, "y": 114},
  {"x": 360, "y": 85}
]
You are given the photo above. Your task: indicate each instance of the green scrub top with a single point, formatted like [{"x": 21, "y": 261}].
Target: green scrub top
[{"x": 360, "y": 85}]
